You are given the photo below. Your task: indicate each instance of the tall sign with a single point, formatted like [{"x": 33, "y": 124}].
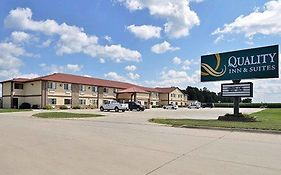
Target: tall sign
[
  {"x": 253, "y": 63},
  {"x": 262, "y": 62}
]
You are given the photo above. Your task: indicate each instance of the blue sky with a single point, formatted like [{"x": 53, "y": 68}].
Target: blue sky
[{"x": 147, "y": 42}]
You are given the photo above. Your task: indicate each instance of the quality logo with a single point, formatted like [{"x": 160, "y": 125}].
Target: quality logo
[{"x": 214, "y": 72}]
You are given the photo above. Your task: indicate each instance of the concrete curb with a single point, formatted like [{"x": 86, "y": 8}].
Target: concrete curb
[
  {"x": 234, "y": 129},
  {"x": 226, "y": 129}
]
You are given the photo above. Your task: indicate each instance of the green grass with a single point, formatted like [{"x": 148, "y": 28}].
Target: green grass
[
  {"x": 268, "y": 119},
  {"x": 13, "y": 110},
  {"x": 64, "y": 115}
]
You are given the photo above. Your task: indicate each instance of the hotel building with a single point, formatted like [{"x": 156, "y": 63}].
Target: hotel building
[{"x": 71, "y": 90}]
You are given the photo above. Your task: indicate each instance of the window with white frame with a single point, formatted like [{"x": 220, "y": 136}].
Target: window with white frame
[
  {"x": 52, "y": 101},
  {"x": 82, "y": 88},
  {"x": 52, "y": 85},
  {"x": 82, "y": 101},
  {"x": 105, "y": 90},
  {"x": 67, "y": 87},
  {"x": 94, "y": 89}
]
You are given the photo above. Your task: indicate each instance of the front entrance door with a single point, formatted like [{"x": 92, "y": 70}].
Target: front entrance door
[{"x": 15, "y": 103}]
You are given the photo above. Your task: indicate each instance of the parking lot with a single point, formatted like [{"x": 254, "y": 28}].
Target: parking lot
[{"x": 125, "y": 143}]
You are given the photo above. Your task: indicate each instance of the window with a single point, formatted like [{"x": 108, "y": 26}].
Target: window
[
  {"x": 82, "y": 101},
  {"x": 18, "y": 86},
  {"x": 179, "y": 96},
  {"x": 93, "y": 102},
  {"x": 82, "y": 88},
  {"x": 105, "y": 90},
  {"x": 173, "y": 95},
  {"x": 94, "y": 89},
  {"x": 67, "y": 87},
  {"x": 52, "y": 85},
  {"x": 52, "y": 101},
  {"x": 67, "y": 101}
]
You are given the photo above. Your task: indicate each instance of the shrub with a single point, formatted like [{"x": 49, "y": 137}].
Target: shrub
[
  {"x": 48, "y": 107},
  {"x": 63, "y": 107},
  {"x": 249, "y": 105},
  {"x": 35, "y": 106},
  {"x": 240, "y": 118},
  {"x": 76, "y": 107},
  {"x": 25, "y": 106}
]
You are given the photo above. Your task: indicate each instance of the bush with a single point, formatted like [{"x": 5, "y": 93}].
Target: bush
[
  {"x": 35, "y": 106},
  {"x": 240, "y": 118},
  {"x": 25, "y": 106},
  {"x": 48, "y": 107},
  {"x": 76, "y": 107},
  {"x": 249, "y": 105},
  {"x": 63, "y": 107}
]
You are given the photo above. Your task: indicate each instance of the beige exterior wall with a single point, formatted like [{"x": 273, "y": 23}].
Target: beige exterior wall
[
  {"x": 59, "y": 90},
  {"x": 163, "y": 98},
  {"x": 32, "y": 100},
  {"x": 6, "y": 102},
  {"x": 177, "y": 97},
  {"x": 32, "y": 93},
  {"x": 6, "y": 88}
]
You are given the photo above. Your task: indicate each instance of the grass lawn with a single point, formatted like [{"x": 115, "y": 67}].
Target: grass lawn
[
  {"x": 268, "y": 119},
  {"x": 64, "y": 115},
  {"x": 13, "y": 110}
]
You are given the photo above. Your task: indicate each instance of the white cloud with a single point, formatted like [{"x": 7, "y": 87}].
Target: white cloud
[
  {"x": 74, "y": 67},
  {"x": 20, "y": 37},
  {"x": 130, "y": 68},
  {"x": 116, "y": 77},
  {"x": 108, "y": 38},
  {"x": 186, "y": 65},
  {"x": 72, "y": 39},
  {"x": 163, "y": 47},
  {"x": 133, "y": 76},
  {"x": 172, "y": 77},
  {"x": 145, "y": 31},
  {"x": 10, "y": 62},
  {"x": 53, "y": 68},
  {"x": 180, "y": 19},
  {"x": 102, "y": 60},
  {"x": 46, "y": 43},
  {"x": 177, "y": 60},
  {"x": 265, "y": 22}
]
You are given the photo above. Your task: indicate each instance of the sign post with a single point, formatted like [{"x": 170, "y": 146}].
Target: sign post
[
  {"x": 236, "y": 101},
  {"x": 256, "y": 63}
]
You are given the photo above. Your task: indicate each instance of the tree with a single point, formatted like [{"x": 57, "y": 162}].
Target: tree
[{"x": 247, "y": 100}]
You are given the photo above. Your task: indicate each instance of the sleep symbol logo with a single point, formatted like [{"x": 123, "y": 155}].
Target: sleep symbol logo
[{"x": 207, "y": 70}]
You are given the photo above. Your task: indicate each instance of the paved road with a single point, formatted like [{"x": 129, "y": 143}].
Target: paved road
[{"x": 128, "y": 145}]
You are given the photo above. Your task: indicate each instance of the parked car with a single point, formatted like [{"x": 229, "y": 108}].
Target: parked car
[
  {"x": 170, "y": 106},
  {"x": 194, "y": 105},
  {"x": 135, "y": 106},
  {"x": 207, "y": 105},
  {"x": 114, "y": 105}
]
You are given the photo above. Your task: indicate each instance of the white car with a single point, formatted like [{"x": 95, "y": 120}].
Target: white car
[
  {"x": 171, "y": 106},
  {"x": 194, "y": 105},
  {"x": 114, "y": 105}
]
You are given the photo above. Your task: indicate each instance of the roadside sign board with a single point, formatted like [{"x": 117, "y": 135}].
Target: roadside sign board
[
  {"x": 253, "y": 63},
  {"x": 237, "y": 90}
]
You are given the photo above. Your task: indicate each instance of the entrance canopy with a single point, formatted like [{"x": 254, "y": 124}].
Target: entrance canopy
[{"x": 133, "y": 90}]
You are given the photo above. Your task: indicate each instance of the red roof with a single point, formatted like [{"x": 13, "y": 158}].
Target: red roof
[
  {"x": 17, "y": 80},
  {"x": 68, "y": 78},
  {"x": 133, "y": 90},
  {"x": 166, "y": 90}
]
